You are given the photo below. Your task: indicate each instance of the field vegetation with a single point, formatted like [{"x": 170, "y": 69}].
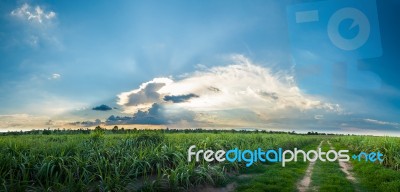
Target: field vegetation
[{"x": 156, "y": 160}]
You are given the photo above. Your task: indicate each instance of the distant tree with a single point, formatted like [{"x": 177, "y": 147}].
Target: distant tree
[
  {"x": 98, "y": 129},
  {"x": 115, "y": 129},
  {"x": 46, "y": 132}
]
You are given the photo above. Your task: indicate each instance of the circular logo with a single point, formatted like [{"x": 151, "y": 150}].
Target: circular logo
[{"x": 358, "y": 18}]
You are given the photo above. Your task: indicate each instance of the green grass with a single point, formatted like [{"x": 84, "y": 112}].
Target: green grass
[
  {"x": 374, "y": 176},
  {"x": 327, "y": 176},
  {"x": 157, "y": 161},
  {"x": 274, "y": 177},
  {"x": 389, "y": 146},
  {"x": 150, "y": 161}
]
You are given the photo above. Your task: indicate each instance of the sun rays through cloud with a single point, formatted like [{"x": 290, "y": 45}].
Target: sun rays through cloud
[{"x": 240, "y": 86}]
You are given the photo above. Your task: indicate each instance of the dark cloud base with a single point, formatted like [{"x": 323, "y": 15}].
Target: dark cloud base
[
  {"x": 156, "y": 115},
  {"x": 180, "y": 98},
  {"x": 102, "y": 108},
  {"x": 153, "y": 116},
  {"x": 86, "y": 123}
]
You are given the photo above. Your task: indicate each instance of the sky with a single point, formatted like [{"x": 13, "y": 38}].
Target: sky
[{"x": 291, "y": 65}]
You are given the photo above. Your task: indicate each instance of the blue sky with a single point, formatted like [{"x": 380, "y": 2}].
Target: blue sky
[{"x": 217, "y": 64}]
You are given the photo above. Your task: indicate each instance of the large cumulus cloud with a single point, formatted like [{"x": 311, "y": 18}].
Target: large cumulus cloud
[{"x": 241, "y": 86}]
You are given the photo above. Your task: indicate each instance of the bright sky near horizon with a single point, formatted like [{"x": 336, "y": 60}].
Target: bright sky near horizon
[{"x": 188, "y": 64}]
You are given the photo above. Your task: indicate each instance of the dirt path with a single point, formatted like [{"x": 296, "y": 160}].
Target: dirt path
[
  {"x": 346, "y": 167},
  {"x": 304, "y": 183},
  {"x": 209, "y": 188}
]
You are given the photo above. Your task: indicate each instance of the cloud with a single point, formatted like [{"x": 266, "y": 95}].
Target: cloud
[
  {"x": 54, "y": 76},
  {"x": 211, "y": 93},
  {"x": 354, "y": 124},
  {"x": 179, "y": 98},
  {"x": 374, "y": 121},
  {"x": 153, "y": 116},
  {"x": 50, "y": 122},
  {"x": 144, "y": 96},
  {"x": 22, "y": 121},
  {"x": 211, "y": 88},
  {"x": 37, "y": 27},
  {"x": 86, "y": 123},
  {"x": 273, "y": 96},
  {"x": 33, "y": 14},
  {"x": 318, "y": 117},
  {"x": 157, "y": 114},
  {"x": 102, "y": 108}
]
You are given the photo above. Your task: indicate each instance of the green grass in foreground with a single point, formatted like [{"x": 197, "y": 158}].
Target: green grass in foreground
[
  {"x": 374, "y": 176},
  {"x": 138, "y": 161},
  {"x": 327, "y": 176},
  {"x": 274, "y": 177},
  {"x": 157, "y": 161}
]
